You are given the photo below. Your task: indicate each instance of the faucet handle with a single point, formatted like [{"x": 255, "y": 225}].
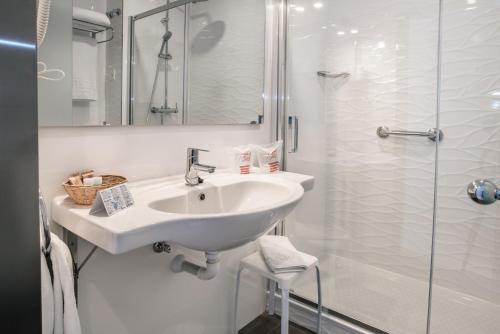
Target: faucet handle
[
  {"x": 194, "y": 152},
  {"x": 193, "y": 149}
]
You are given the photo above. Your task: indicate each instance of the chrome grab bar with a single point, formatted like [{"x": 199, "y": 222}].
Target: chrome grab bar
[
  {"x": 326, "y": 74},
  {"x": 431, "y": 134}
]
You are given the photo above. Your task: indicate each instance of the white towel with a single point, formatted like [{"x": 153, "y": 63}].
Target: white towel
[
  {"x": 66, "y": 320},
  {"x": 281, "y": 256},
  {"x": 47, "y": 299},
  {"x": 84, "y": 67},
  {"x": 91, "y": 16}
]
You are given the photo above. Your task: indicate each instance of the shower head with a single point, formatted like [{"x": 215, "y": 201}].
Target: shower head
[{"x": 167, "y": 36}]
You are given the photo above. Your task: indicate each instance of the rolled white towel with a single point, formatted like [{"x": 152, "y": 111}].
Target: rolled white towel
[
  {"x": 47, "y": 298},
  {"x": 91, "y": 16},
  {"x": 66, "y": 320},
  {"x": 281, "y": 256}
]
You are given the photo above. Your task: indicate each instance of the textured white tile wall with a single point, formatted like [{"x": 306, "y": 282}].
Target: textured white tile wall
[{"x": 226, "y": 68}]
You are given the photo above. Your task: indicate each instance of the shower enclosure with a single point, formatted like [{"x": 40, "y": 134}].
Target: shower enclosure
[
  {"x": 402, "y": 247},
  {"x": 158, "y": 57}
]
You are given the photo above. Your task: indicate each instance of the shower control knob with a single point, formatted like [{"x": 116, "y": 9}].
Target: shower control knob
[{"x": 483, "y": 191}]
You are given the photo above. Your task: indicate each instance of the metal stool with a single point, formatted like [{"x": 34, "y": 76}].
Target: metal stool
[{"x": 255, "y": 263}]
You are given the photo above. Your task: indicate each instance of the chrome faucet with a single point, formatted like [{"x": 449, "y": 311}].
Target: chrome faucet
[{"x": 193, "y": 166}]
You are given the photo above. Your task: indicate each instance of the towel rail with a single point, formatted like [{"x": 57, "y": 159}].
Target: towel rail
[
  {"x": 93, "y": 28},
  {"x": 45, "y": 224}
]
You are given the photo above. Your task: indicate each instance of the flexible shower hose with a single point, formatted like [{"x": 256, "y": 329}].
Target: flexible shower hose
[{"x": 42, "y": 20}]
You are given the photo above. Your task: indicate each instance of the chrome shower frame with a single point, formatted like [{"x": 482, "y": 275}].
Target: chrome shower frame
[{"x": 131, "y": 62}]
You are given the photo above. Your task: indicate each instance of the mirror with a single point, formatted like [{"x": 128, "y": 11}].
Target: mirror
[{"x": 153, "y": 63}]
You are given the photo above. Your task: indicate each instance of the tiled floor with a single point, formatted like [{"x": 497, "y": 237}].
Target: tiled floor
[{"x": 266, "y": 324}]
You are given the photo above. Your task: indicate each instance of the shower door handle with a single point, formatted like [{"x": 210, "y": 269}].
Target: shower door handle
[
  {"x": 293, "y": 134},
  {"x": 483, "y": 191}
]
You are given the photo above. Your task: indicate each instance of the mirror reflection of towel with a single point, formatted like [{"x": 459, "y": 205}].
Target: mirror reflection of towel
[
  {"x": 84, "y": 67},
  {"x": 91, "y": 16}
]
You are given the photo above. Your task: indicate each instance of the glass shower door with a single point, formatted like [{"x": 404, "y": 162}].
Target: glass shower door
[
  {"x": 369, "y": 219},
  {"x": 466, "y": 281}
]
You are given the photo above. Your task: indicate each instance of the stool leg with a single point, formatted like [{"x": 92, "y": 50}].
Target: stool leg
[
  {"x": 235, "y": 315},
  {"x": 320, "y": 306},
  {"x": 272, "y": 298},
  {"x": 284, "y": 311}
]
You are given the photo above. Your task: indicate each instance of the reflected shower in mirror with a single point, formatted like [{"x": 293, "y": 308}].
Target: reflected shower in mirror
[{"x": 210, "y": 69}]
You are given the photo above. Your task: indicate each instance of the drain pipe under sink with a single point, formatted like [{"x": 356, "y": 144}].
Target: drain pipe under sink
[{"x": 180, "y": 264}]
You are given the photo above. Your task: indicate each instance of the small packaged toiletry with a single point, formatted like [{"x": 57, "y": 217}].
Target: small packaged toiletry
[
  {"x": 87, "y": 174},
  {"x": 269, "y": 156},
  {"x": 242, "y": 159},
  {"x": 75, "y": 181},
  {"x": 92, "y": 181},
  {"x": 78, "y": 179}
]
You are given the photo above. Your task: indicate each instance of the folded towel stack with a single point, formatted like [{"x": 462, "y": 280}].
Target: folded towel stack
[
  {"x": 281, "y": 256},
  {"x": 91, "y": 16}
]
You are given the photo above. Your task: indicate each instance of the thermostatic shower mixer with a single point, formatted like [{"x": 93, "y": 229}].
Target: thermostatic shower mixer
[{"x": 483, "y": 191}]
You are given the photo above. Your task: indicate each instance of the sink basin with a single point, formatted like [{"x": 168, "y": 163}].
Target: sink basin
[
  {"x": 226, "y": 211},
  {"x": 237, "y": 197}
]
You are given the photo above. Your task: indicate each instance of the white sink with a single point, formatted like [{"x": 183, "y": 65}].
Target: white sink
[
  {"x": 222, "y": 197},
  {"x": 226, "y": 211}
]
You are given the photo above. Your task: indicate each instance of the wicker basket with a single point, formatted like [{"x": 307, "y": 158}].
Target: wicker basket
[{"x": 85, "y": 195}]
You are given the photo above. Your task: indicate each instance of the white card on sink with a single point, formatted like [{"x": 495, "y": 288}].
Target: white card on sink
[{"x": 112, "y": 200}]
